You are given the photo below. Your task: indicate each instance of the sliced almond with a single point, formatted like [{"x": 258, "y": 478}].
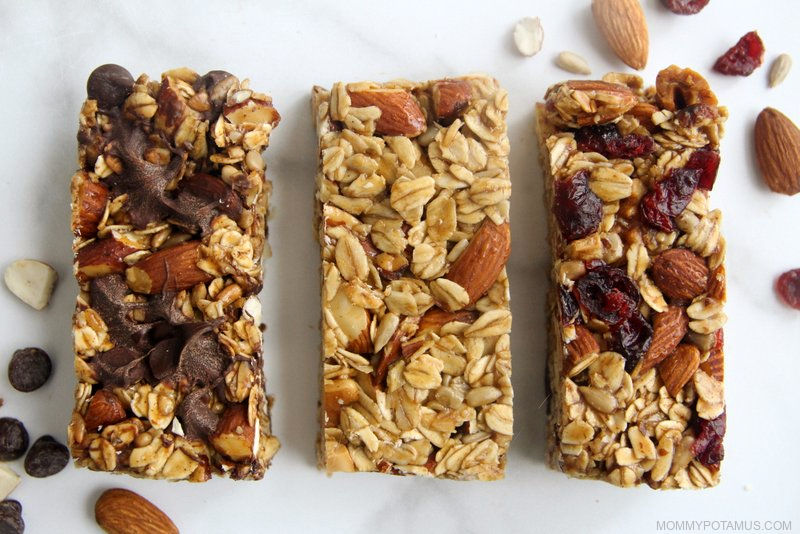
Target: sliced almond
[
  {"x": 120, "y": 511},
  {"x": 353, "y": 321},
  {"x": 234, "y": 436},
  {"x": 478, "y": 267},
  {"x": 777, "y": 141},
  {"x": 623, "y": 24},
  {"x": 528, "y": 36},
  {"x": 338, "y": 393},
  {"x": 171, "y": 269},
  {"x": 32, "y": 281},
  {"x": 400, "y": 112},
  {"x": 679, "y": 368}
]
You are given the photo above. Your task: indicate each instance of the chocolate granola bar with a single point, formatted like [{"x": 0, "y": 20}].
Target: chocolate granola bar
[
  {"x": 636, "y": 347},
  {"x": 168, "y": 217},
  {"x": 412, "y": 205}
]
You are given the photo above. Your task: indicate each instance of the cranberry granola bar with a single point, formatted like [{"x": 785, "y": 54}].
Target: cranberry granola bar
[
  {"x": 412, "y": 205},
  {"x": 168, "y": 216},
  {"x": 636, "y": 356}
]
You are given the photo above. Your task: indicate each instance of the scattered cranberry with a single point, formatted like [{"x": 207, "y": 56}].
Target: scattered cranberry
[
  {"x": 707, "y": 162},
  {"x": 669, "y": 198},
  {"x": 707, "y": 446},
  {"x": 631, "y": 338},
  {"x": 742, "y": 58},
  {"x": 577, "y": 209},
  {"x": 568, "y": 306},
  {"x": 608, "y": 294},
  {"x": 788, "y": 287},
  {"x": 606, "y": 140},
  {"x": 685, "y": 7}
]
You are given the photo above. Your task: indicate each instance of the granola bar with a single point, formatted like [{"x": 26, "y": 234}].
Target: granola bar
[
  {"x": 169, "y": 222},
  {"x": 412, "y": 206},
  {"x": 636, "y": 347}
]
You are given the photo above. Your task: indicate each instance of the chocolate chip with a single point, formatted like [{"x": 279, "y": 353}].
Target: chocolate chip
[
  {"x": 29, "y": 369},
  {"x": 110, "y": 85},
  {"x": 11, "y": 517},
  {"x": 46, "y": 457},
  {"x": 13, "y": 439}
]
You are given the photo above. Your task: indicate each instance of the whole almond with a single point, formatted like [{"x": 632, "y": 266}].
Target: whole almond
[
  {"x": 669, "y": 327},
  {"x": 581, "y": 347},
  {"x": 104, "y": 408},
  {"x": 478, "y": 267},
  {"x": 450, "y": 98},
  {"x": 170, "y": 269},
  {"x": 120, "y": 511},
  {"x": 400, "y": 112},
  {"x": 102, "y": 257},
  {"x": 680, "y": 273},
  {"x": 623, "y": 24},
  {"x": 777, "y": 141},
  {"x": 679, "y": 368}
]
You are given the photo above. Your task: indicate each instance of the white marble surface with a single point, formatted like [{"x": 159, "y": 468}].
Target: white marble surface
[{"x": 48, "y": 49}]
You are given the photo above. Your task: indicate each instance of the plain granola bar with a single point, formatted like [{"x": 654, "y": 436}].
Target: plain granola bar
[
  {"x": 168, "y": 216},
  {"x": 412, "y": 205},
  {"x": 636, "y": 347}
]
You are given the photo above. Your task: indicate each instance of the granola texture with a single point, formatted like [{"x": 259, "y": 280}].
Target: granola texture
[
  {"x": 412, "y": 205},
  {"x": 638, "y": 279},
  {"x": 169, "y": 221}
]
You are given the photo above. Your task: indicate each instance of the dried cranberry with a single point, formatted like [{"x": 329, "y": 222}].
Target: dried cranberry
[
  {"x": 577, "y": 209},
  {"x": 606, "y": 140},
  {"x": 567, "y": 305},
  {"x": 608, "y": 294},
  {"x": 742, "y": 58},
  {"x": 669, "y": 197},
  {"x": 685, "y": 7},
  {"x": 707, "y": 162},
  {"x": 707, "y": 446},
  {"x": 631, "y": 338},
  {"x": 788, "y": 287}
]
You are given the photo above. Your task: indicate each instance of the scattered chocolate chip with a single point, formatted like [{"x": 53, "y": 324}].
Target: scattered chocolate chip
[
  {"x": 46, "y": 457},
  {"x": 11, "y": 517},
  {"x": 29, "y": 369},
  {"x": 13, "y": 439},
  {"x": 110, "y": 85}
]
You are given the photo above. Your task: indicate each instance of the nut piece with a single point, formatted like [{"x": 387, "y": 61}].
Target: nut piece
[
  {"x": 32, "y": 281},
  {"x": 8, "y": 481},
  {"x": 680, "y": 273},
  {"x": 777, "y": 142},
  {"x": 104, "y": 409},
  {"x": 623, "y": 24},
  {"x": 679, "y": 368},
  {"x": 119, "y": 511},
  {"x": 577, "y": 103},
  {"x": 253, "y": 111},
  {"x": 450, "y": 98},
  {"x": 234, "y": 436},
  {"x": 583, "y": 346},
  {"x": 89, "y": 203},
  {"x": 435, "y": 318},
  {"x": 338, "y": 393},
  {"x": 780, "y": 68},
  {"x": 669, "y": 327},
  {"x": 171, "y": 269},
  {"x": 400, "y": 112},
  {"x": 677, "y": 88},
  {"x": 572, "y": 62},
  {"x": 102, "y": 257},
  {"x": 478, "y": 267},
  {"x": 528, "y": 36}
]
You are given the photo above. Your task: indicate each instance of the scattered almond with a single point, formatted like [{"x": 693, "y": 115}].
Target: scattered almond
[
  {"x": 572, "y": 62},
  {"x": 679, "y": 368},
  {"x": 32, "y": 281},
  {"x": 623, "y": 24},
  {"x": 8, "y": 481},
  {"x": 777, "y": 141},
  {"x": 235, "y": 436},
  {"x": 171, "y": 269},
  {"x": 528, "y": 36},
  {"x": 400, "y": 112},
  {"x": 478, "y": 267},
  {"x": 120, "y": 511},
  {"x": 680, "y": 273},
  {"x": 669, "y": 327},
  {"x": 780, "y": 69}
]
